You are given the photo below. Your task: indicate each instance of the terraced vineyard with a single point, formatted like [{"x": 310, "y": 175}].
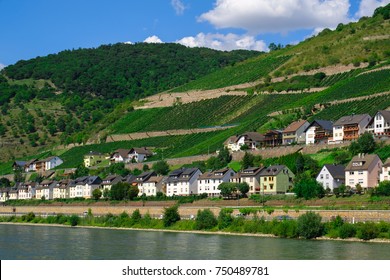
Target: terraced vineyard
[
  {"x": 192, "y": 115},
  {"x": 368, "y": 106},
  {"x": 248, "y": 71},
  {"x": 333, "y": 79}
]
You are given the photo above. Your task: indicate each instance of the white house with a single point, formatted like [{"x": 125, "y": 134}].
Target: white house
[
  {"x": 92, "y": 183},
  {"x": 295, "y": 132},
  {"x": 380, "y": 124},
  {"x": 13, "y": 194},
  {"x": 183, "y": 181},
  {"x": 252, "y": 139},
  {"x": 140, "y": 154},
  {"x": 4, "y": 194},
  {"x": 208, "y": 182},
  {"x": 364, "y": 170},
  {"x": 349, "y": 128},
  {"x": 52, "y": 162},
  {"x": 331, "y": 176},
  {"x": 319, "y": 131},
  {"x": 385, "y": 174},
  {"x": 121, "y": 155},
  {"x": 61, "y": 189},
  {"x": 84, "y": 186},
  {"x": 27, "y": 190},
  {"x": 151, "y": 186},
  {"x": 45, "y": 189}
]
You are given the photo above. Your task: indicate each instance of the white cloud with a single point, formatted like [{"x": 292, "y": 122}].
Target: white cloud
[
  {"x": 179, "y": 6},
  {"x": 128, "y": 42},
  {"x": 224, "y": 42},
  {"x": 2, "y": 66},
  {"x": 153, "y": 39},
  {"x": 262, "y": 16},
  {"x": 367, "y": 7}
]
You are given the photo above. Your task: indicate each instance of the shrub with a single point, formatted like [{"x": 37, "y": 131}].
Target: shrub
[
  {"x": 171, "y": 215},
  {"x": 135, "y": 217},
  {"x": 367, "y": 231},
  {"x": 347, "y": 230},
  {"x": 309, "y": 225},
  {"x": 225, "y": 218},
  {"x": 205, "y": 220},
  {"x": 74, "y": 220},
  {"x": 286, "y": 228}
]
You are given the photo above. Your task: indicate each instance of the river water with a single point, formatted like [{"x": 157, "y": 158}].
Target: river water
[{"x": 25, "y": 242}]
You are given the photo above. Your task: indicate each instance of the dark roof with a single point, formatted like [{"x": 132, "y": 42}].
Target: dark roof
[
  {"x": 353, "y": 119},
  {"x": 362, "y": 162},
  {"x": 337, "y": 171},
  {"x": 272, "y": 170},
  {"x": 182, "y": 174},
  {"x": 254, "y": 136},
  {"x": 326, "y": 125},
  {"x": 143, "y": 151},
  {"x": 386, "y": 115},
  {"x": 19, "y": 163},
  {"x": 251, "y": 171},
  {"x": 217, "y": 174},
  {"x": 122, "y": 152}
]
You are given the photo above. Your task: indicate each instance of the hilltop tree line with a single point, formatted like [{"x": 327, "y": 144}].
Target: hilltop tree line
[{"x": 123, "y": 70}]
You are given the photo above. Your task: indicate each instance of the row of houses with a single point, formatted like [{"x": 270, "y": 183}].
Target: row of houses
[
  {"x": 35, "y": 165},
  {"x": 346, "y": 128},
  {"x": 180, "y": 182},
  {"x": 120, "y": 155},
  {"x": 367, "y": 170}
]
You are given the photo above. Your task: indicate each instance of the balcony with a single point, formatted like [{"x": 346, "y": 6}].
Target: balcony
[{"x": 351, "y": 128}]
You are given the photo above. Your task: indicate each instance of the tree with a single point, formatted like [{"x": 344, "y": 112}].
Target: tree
[
  {"x": 171, "y": 215},
  {"x": 225, "y": 218},
  {"x": 119, "y": 191},
  {"x": 136, "y": 216},
  {"x": 309, "y": 225},
  {"x": 365, "y": 144},
  {"x": 383, "y": 189},
  {"x": 205, "y": 220},
  {"x": 227, "y": 189},
  {"x": 132, "y": 192},
  {"x": 247, "y": 160},
  {"x": 309, "y": 188},
  {"x": 161, "y": 167},
  {"x": 4, "y": 183},
  {"x": 81, "y": 171},
  {"x": 243, "y": 188},
  {"x": 97, "y": 194}
]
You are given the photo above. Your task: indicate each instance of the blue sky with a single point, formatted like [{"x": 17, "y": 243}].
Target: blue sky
[{"x": 41, "y": 27}]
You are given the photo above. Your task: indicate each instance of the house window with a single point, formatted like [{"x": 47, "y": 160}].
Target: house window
[
  {"x": 327, "y": 176},
  {"x": 265, "y": 179},
  {"x": 360, "y": 172},
  {"x": 271, "y": 186},
  {"x": 351, "y": 173},
  {"x": 351, "y": 182},
  {"x": 360, "y": 181},
  {"x": 321, "y": 176}
]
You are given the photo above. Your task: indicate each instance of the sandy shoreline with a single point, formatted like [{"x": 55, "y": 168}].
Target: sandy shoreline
[{"x": 323, "y": 238}]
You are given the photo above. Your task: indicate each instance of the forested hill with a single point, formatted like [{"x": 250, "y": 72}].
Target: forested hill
[{"x": 124, "y": 70}]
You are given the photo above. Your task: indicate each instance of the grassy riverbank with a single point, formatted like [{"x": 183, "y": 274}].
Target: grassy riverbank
[{"x": 308, "y": 227}]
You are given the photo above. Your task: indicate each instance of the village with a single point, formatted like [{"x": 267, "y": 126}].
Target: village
[{"x": 363, "y": 172}]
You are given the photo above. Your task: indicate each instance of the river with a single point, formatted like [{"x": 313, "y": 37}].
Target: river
[{"x": 27, "y": 242}]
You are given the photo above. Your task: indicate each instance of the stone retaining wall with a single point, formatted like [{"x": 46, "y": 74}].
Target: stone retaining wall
[{"x": 186, "y": 211}]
